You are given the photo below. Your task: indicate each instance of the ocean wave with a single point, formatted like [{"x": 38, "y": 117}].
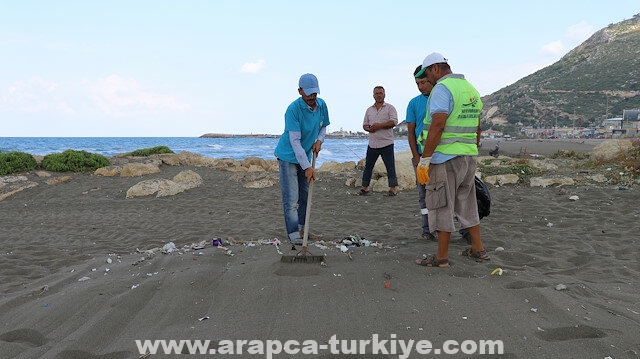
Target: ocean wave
[{"x": 338, "y": 150}]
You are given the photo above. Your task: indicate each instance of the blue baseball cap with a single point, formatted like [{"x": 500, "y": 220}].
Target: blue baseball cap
[{"x": 309, "y": 84}]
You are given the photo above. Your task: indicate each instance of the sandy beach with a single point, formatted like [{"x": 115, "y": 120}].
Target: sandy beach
[{"x": 82, "y": 274}]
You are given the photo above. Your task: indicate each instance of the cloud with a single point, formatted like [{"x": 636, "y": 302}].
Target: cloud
[
  {"x": 493, "y": 77},
  {"x": 555, "y": 48},
  {"x": 573, "y": 36},
  {"x": 579, "y": 32},
  {"x": 120, "y": 96},
  {"x": 253, "y": 67},
  {"x": 29, "y": 96},
  {"x": 58, "y": 46},
  {"x": 13, "y": 38},
  {"x": 112, "y": 96}
]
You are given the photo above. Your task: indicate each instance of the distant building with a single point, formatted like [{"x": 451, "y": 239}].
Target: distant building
[
  {"x": 630, "y": 122},
  {"x": 346, "y": 134},
  {"x": 401, "y": 129},
  {"x": 612, "y": 123},
  {"x": 491, "y": 134},
  {"x": 631, "y": 115}
]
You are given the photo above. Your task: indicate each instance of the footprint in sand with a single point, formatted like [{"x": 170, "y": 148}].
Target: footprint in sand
[
  {"x": 25, "y": 336},
  {"x": 523, "y": 284},
  {"x": 81, "y": 354},
  {"x": 570, "y": 333}
]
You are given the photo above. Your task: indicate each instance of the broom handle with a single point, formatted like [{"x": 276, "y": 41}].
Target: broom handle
[{"x": 305, "y": 237}]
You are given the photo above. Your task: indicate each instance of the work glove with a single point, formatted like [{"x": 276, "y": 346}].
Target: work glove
[{"x": 422, "y": 171}]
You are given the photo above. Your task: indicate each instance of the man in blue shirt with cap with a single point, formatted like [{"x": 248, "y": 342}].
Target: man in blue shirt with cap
[
  {"x": 416, "y": 112},
  {"x": 305, "y": 124}
]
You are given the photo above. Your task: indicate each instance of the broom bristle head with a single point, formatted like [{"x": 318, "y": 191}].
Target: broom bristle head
[{"x": 302, "y": 259}]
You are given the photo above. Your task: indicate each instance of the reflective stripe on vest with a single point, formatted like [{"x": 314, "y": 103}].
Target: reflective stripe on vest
[{"x": 460, "y": 133}]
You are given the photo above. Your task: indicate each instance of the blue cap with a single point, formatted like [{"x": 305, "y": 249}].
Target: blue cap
[{"x": 309, "y": 84}]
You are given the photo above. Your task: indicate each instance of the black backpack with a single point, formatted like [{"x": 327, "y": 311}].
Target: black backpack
[{"x": 483, "y": 197}]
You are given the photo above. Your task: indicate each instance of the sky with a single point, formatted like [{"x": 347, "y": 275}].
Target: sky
[{"x": 156, "y": 68}]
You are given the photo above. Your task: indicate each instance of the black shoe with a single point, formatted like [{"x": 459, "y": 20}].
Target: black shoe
[{"x": 429, "y": 237}]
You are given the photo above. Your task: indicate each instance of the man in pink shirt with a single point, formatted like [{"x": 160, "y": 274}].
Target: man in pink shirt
[{"x": 379, "y": 121}]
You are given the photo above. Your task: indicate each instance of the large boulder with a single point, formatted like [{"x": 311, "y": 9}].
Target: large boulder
[
  {"x": 57, "y": 180},
  {"x": 502, "y": 179},
  {"x": 544, "y": 165},
  {"x": 549, "y": 181},
  {"x": 139, "y": 169},
  {"x": 337, "y": 167},
  {"x": 379, "y": 179},
  {"x": 254, "y": 164},
  {"x": 261, "y": 183},
  {"x": 186, "y": 158},
  {"x": 42, "y": 174},
  {"x": 109, "y": 171},
  {"x": 148, "y": 187},
  {"x": 4, "y": 180},
  {"x": 404, "y": 170},
  {"x": 228, "y": 164},
  {"x": 610, "y": 149},
  {"x": 188, "y": 176},
  {"x": 181, "y": 182},
  {"x": 10, "y": 185}
]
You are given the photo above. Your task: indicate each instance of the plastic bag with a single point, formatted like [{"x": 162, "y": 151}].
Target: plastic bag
[{"x": 483, "y": 197}]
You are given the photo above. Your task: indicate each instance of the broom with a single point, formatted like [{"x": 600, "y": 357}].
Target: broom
[{"x": 304, "y": 256}]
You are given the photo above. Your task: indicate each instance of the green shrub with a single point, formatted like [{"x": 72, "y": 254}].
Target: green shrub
[
  {"x": 631, "y": 161},
  {"x": 495, "y": 161},
  {"x": 571, "y": 154},
  {"x": 74, "y": 161},
  {"x": 625, "y": 167},
  {"x": 12, "y": 162},
  {"x": 149, "y": 151},
  {"x": 521, "y": 168}
]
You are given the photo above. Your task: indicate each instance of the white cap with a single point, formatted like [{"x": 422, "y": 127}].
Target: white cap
[{"x": 432, "y": 58}]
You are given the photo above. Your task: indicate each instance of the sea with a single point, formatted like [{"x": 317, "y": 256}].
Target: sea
[{"x": 238, "y": 148}]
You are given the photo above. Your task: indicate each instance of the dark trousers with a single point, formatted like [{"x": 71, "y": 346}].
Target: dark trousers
[{"x": 389, "y": 162}]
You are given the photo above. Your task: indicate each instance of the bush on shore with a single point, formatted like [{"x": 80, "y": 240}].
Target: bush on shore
[
  {"x": 520, "y": 167},
  {"x": 67, "y": 161},
  {"x": 625, "y": 167},
  {"x": 12, "y": 162},
  {"x": 158, "y": 150},
  {"x": 74, "y": 161}
]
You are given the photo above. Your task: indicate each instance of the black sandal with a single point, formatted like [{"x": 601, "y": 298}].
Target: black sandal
[
  {"x": 481, "y": 255},
  {"x": 362, "y": 192},
  {"x": 432, "y": 261}
]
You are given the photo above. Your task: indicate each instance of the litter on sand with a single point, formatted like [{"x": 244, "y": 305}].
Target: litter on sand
[
  {"x": 497, "y": 271},
  {"x": 355, "y": 240},
  {"x": 169, "y": 247}
]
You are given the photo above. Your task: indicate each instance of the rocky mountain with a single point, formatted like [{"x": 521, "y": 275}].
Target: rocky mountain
[{"x": 596, "y": 80}]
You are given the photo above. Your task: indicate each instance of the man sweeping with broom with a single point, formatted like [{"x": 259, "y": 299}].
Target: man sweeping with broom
[{"x": 305, "y": 123}]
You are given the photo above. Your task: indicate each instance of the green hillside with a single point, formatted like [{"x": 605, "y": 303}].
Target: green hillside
[{"x": 594, "y": 81}]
